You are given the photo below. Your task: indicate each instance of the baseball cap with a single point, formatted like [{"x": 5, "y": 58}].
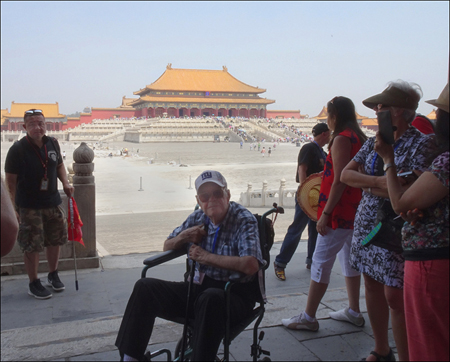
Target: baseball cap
[
  {"x": 319, "y": 129},
  {"x": 210, "y": 176}
]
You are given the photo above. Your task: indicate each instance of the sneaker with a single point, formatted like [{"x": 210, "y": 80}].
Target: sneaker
[
  {"x": 54, "y": 281},
  {"x": 344, "y": 315},
  {"x": 37, "y": 290},
  {"x": 300, "y": 322}
]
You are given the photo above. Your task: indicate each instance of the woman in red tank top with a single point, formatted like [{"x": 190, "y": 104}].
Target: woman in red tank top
[{"x": 337, "y": 208}]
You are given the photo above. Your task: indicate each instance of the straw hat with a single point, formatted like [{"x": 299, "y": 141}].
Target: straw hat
[
  {"x": 308, "y": 195},
  {"x": 391, "y": 96},
  {"x": 442, "y": 101}
]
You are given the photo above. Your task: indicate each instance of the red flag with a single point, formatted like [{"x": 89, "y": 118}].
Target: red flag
[{"x": 75, "y": 232}]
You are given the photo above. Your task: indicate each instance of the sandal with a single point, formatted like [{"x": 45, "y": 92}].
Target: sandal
[
  {"x": 389, "y": 357},
  {"x": 279, "y": 272}
]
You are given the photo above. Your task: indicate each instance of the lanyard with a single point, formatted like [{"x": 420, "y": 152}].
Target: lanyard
[
  {"x": 44, "y": 165},
  {"x": 215, "y": 239},
  {"x": 376, "y": 155},
  {"x": 324, "y": 156}
]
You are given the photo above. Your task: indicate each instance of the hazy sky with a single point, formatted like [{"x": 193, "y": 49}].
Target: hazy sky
[{"x": 91, "y": 54}]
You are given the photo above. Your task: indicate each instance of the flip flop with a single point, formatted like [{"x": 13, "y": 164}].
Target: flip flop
[{"x": 279, "y": 272}]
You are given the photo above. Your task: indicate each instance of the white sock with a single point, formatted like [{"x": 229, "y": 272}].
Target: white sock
[
  {"x": 308, "y": 318},
  {"x": 129, "y": 358},
  {"x": 353, "y": 313}
]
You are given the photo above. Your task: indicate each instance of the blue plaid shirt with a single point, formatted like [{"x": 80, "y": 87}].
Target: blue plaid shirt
[{"x": 238, "y": 235}]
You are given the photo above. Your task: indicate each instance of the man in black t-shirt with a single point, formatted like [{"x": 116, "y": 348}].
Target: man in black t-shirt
[
  {"x": 32, "y": 167},
  {"x": 311, "y": 159}
]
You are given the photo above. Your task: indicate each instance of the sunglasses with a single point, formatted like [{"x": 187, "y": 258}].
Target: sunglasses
[
  {"x": 33, "y": 111},
  {"x": 218, "y": 194}
]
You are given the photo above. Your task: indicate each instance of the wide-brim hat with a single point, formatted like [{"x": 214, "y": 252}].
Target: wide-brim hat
[
  {"x": 393, "y": 97},
  {"x": 442, "y": 101},
  {"x": 308, "y": 195}
]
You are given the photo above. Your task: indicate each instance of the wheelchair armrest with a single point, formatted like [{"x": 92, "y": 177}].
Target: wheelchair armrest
[{"x": 163, "y": 257}]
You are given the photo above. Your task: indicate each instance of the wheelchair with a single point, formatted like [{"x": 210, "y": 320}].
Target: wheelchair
[{"x": 183, "y": 349}]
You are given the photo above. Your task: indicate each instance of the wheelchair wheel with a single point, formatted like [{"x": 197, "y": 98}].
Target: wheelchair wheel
[{"x": 188, "y": 350}]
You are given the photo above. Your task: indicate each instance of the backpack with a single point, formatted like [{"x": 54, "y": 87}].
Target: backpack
[{"x": 266, "y": 238}]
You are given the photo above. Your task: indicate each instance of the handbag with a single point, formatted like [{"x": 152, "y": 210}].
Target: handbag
[{"x": 387, "y": 233}]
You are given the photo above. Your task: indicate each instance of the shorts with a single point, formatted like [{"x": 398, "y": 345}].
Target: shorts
[
  {"x": 335, "y": 242},
  {"x": 40, "y": 228}
]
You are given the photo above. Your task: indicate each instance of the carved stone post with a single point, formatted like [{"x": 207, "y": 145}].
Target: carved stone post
[
  {"x": 84, "y": 194},
  {"x": 263, "y": 193},
  {"x": 281, "y": 193},
  {"x": 249, "y": 193}
]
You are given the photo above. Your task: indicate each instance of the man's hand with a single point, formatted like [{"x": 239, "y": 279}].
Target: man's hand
[
  {"x": 198, "y": 254},
  {"x": 194, "y": 234},
  {"x": 68, "y": 190}
]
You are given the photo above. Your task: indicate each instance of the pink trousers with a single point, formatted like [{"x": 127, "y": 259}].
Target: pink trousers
[{"x": 426, "y": 295}]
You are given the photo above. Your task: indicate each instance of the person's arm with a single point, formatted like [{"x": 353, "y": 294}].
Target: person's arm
[
  {"x": 351, "y": 176},
  {"x": 423, "y": 193},
  {"x": 10, "y": 225},
  {"x": 302, "y": 169},
  {"x": 248, "y": 265},
  {"x": 11, "y": 182},
  {"x": 193, "y": 234},
  {"x": 62, "y": 175},
  {"x": 341, "y": 151}
]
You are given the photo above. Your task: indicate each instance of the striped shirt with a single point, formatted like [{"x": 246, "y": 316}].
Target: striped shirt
[{"x": 237, "y": 235}]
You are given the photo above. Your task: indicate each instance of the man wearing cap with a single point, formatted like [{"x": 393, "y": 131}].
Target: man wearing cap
[
  {"x": 32, "y": 168},
  {"x": 311, "y": 159},
  {"x": 223, "y": 239}
]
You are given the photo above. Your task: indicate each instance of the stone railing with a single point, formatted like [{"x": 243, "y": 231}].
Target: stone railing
[{"x": 265, "y": 198}]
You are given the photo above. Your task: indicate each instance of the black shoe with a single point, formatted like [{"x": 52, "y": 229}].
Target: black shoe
[
  {"x": 54, "y": 281},
  {"x": 37, "y": 290}
]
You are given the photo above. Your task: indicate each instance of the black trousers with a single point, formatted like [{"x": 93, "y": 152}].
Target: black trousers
[{"x": 153, "y": 298}]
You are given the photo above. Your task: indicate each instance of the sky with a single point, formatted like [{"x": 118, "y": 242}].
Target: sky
[{"x": 91, "y": 54}]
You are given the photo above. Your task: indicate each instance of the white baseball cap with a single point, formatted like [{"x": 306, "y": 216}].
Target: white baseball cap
[{"x": 210, "y": 176}]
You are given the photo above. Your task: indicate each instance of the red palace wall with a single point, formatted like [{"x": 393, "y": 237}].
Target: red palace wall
[
  {"x": 111, "y": 113},
  {"x": 285, "y": 114}
]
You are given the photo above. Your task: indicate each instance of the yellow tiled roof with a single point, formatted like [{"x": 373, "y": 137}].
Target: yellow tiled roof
[
  {"x": 432, "y": 114},
  {"x": 202, "y": 100},
  {"x": 50, "y": 110},
  {"x": 323, "y": 113},
  {"x": 199, "y": 80},
  {"x": 4, "y": 113},
  {"x": 369, "y": 122}
]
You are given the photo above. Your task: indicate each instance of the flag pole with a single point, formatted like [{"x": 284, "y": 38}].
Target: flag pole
[{"x": 72, "y": 226}]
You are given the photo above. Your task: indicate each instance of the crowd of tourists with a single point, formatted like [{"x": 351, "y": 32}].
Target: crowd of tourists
[{"x": 383, "y": 211}]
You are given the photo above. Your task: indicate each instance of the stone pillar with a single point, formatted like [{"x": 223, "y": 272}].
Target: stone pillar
[
  {"x": 249, "y": 194},
  {"x": 263, "y": 193},
  {"x": 281, "y": 192},
  {"x": 84, "y": 194}
]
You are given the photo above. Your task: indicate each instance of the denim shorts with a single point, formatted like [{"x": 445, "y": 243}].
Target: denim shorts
[{"x": 40, "y": 228}]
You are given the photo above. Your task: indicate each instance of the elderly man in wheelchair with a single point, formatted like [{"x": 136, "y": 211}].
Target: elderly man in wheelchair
[{"x": 222, "y": 239}]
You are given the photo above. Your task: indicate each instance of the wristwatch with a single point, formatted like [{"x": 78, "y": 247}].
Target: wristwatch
[{"x": 388, "y": 165}]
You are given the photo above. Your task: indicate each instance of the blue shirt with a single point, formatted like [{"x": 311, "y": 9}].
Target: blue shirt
[{"x": 238, "y": 235}]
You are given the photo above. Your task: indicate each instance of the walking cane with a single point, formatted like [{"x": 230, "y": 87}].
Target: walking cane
[
  {"x": 183, "y": 341},
  {"x": 72, "y": 226}
]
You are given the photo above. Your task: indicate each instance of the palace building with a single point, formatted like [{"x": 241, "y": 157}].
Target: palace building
[
  {"x": 195, "y": 92},
  {"x": 13, "y": 120}
]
